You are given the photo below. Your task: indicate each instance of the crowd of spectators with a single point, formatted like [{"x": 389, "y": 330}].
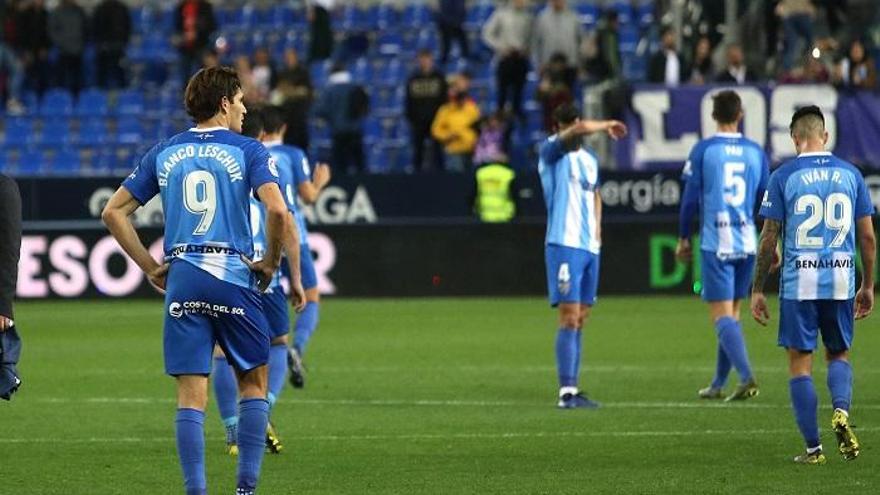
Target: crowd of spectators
[{"x": 41, "y": 48}]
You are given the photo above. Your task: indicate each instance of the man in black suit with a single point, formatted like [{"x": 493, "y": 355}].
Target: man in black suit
[
  {"x": 10, "y": 245},
  {"x": 667, "y": 66},
  {"x": 736, "y": 71}
]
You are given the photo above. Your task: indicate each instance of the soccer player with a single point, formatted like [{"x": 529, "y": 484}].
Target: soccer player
[
  {"x": 205, "y": 177},
  {"x": 821, "y": 205},
  {"x": 293, "y": 159},
  {"x": 274, "y": 307},
  {"x": 726, "y": 176},
  {"x": 570, "y": 181}
]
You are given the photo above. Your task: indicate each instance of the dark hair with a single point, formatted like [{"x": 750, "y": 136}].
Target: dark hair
[
  {"x": 726, "y": 107},
  {"x": 803, "y": 112},
  {"x": 273, "y": 119},
  {"x": 253, "y": 124},
  {"x": 565, "y": 114},
  {"x": 666, "y": 30},
  {"x": 206, "y": 89}
]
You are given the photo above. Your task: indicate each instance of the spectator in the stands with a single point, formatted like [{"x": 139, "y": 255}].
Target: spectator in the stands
[
  {"x": 556, "y": 87},
  {"x": 11, "y": 73},
  {"x": 111, "y": 29},
  {"x": 557, "y": 30},
  {"x": 321, "y": 32},
  {"x": 210, "y": 58},
  {"x": 857, "y": 69},
  {"x": 736, "y": 70},
  {"x": 450, "y": 16},
  {"x": 426, "y": 91},
  {"x": 245, "y": 72},
  {"x": 195, "y": 24},
  {"x": 293, "y": 93},
  {"x": 508, "y": 33},
  {"x": 68, "y": 30},
  {"x": 32, "y": 42},
  {"x": 455, "y": 125},
  {"x": 343, "y": 105},
  {"x": 667, "y": 66},
  {"x": 607, "y": 63},
  {"x": 262, "y": 74},
  {"x": 492, "y": 145},
  {"x": 701, "y": 66},
  {"x": 813, "y": 71},
  {"x": 797, "y": 24}
]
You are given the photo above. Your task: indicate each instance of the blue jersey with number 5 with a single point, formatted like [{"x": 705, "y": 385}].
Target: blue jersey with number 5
[
  {"x": 730, "y": 172},
  {"x": 206, "y": 178},
  {"x": 818, "y": 198}
]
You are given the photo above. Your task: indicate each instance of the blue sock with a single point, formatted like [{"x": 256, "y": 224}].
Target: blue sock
[
  {"x": 722, "y": 368},
  {"x": 840, "y": 383},
  {"x": 305, "y": 326},
  {"x": 190, "y": 427},
  {"x": 566, "y": 354},
  {"x": 226, "y": 390},
  {"x": 731, "y": 339},
  {"x": 577, "y": 356},
  {"x": 804, "y": 403},
  {"x": 277, "y": 371},
  {"x": 253, "y": 417}
]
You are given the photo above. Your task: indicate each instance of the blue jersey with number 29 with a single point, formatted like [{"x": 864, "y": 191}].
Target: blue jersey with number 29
[
  {"x": 206, "y": 178},
  {"x": 818, "y": 198}
]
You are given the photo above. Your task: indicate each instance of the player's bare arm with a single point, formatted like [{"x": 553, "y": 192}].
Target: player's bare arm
[
  {"x": 291, "y": 249},
  {"x": 117, "y": 217},
  {"x": 864, "y": 303},
  {"x": 765, "y": 260},
  {"x": 614, "y": 128},
  {"x": 310, "y": 190},
  {"x": 276, "y": 226}
]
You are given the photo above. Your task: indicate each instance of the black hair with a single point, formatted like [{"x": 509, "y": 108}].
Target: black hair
[
  {"x": 726, "y": 107},
  {"x": 206, "y": 90},
  {"x": 253, "y": 123},
  {"x": 273, "y": 119},
  {"x": 803, "y": 112},
  {"x": 565, "y": 114}
]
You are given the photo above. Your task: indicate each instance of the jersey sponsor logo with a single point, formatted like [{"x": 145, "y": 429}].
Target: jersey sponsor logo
[
  {"x": 175, "y": 310},
  {"x": 817, "y": 264},
  {"x": 201, "y": 249},
  {"x": 766, "y": 203},
  {"x": 723, "y": 224}
]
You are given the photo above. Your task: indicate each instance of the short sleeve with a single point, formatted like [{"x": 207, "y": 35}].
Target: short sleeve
[
  {"x": 864, "y": 205},
  {"x": 551, "y": 150},
  {"x": 301, "y": 170},
  {"x": 262, "y": 168},
  {"x": 773, "y": 204},
  {"x": 142, "y": 182}
]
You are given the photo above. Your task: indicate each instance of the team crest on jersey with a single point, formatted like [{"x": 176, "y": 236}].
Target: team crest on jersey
[{"x": 273, "y": 166}]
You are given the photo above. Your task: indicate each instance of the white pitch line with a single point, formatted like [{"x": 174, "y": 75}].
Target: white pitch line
[
  {"x": 450, "y": 403},
  {"x": 447, "y": 436}
]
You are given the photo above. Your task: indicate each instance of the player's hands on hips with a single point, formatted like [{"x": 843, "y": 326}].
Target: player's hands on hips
[
  {"x": 297, "y": 295},
  {"x": 5, "y": 323},
  {"x": 683, "y": 251},
  {"x": 864, "y": 302},
  {"x": 264, "y": 271},
  {"x": 759, "y": 308},
  {"x": 157, "y": 277},
  {"x": 321, "y": 176}
]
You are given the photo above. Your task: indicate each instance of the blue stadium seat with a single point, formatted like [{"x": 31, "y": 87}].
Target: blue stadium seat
[
  {"x": 386, "y": 17},
  {"x": 92, "y": 102},
  {"x": 281, "y": 16},
  {"x": 389, "y": 44},
  {"x": 393, "y": 73},
  {"x": 320, "y": 71},
  {"x": 372, "y": 131},
  {"x": 31, "y": 162},
  {"x": 93, "y": 132},
  {"x": 427, "y": 40},
  {"x": 129, "y": 131},
  {"x": 18, "y": 131},
  {"x": 55, "y": 133},
  {"x": 129, "y": 102},
  {"x": 416, "y": 15},
  {"x": 57, "y": 102},
  {"x": 477, "y": 15},
  {"x": 624, "y": 12},
  {"x": 645, "y": 14},
  {"x": 64, "y": 162},
  {"x": 588, "y": 14},
  {"x": 353, "y": 18},
  {"x": 629, "y": 38},
  {"x": 362, "y": 71}
]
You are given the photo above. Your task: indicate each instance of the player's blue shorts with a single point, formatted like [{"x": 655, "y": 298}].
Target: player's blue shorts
[
  {"x": 726, "y": 280},
  {"x": 277, "y": 312},
  {"x": 201, "y": 310},
  {"x": 307, "y": 267},
  {"x": 572, "y": 275},
  {"x": 800, "y": 322}
]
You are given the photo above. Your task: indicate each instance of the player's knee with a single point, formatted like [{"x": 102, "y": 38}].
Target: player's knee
[
  {"x": 831, "y": 355},
  {"x": 253, "y": 384},
  {"x": 313, "y": 296}
]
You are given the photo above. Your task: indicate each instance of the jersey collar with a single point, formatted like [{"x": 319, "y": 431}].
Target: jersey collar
[
  {"x": 208, "y": 129},
  {"x": 270, "y": 144},
  {"x": 815, "y": 153},
  {"x": 729, "y": 134}
]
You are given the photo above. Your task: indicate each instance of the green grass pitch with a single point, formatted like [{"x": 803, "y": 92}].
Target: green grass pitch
[{"x": 445, "y": 396}]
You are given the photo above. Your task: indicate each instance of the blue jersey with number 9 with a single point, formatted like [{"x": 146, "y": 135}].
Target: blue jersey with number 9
[
  {"x": 206, "y": 178},
  {"x": 730, "y": 172},
  {"x": 818, "y": 198}
]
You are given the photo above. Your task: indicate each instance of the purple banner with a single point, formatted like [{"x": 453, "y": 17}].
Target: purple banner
[{"x": 665, "y": 123}]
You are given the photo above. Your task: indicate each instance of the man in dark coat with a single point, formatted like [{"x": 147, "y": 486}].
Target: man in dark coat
[{"x": 10, "y": 246}]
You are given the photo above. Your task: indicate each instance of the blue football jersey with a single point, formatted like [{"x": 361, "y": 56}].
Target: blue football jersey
[
  {"x": 818, "y": 198},
  {"x": 731, "y": 173},
  {"x": 293, "y": 160},
  {"x": 205, "y": 178},
  {"x": 570, "y": 180}
]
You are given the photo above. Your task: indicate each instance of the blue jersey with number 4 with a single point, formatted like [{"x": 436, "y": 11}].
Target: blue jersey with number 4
[
  {"x": 818, "y": 198},
  {"x": 730, "y": 173},
  {"x": 206, "y": 178}
]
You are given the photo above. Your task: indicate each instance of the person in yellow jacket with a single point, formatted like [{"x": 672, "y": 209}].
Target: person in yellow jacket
[{"x": 455, "y": 125}]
